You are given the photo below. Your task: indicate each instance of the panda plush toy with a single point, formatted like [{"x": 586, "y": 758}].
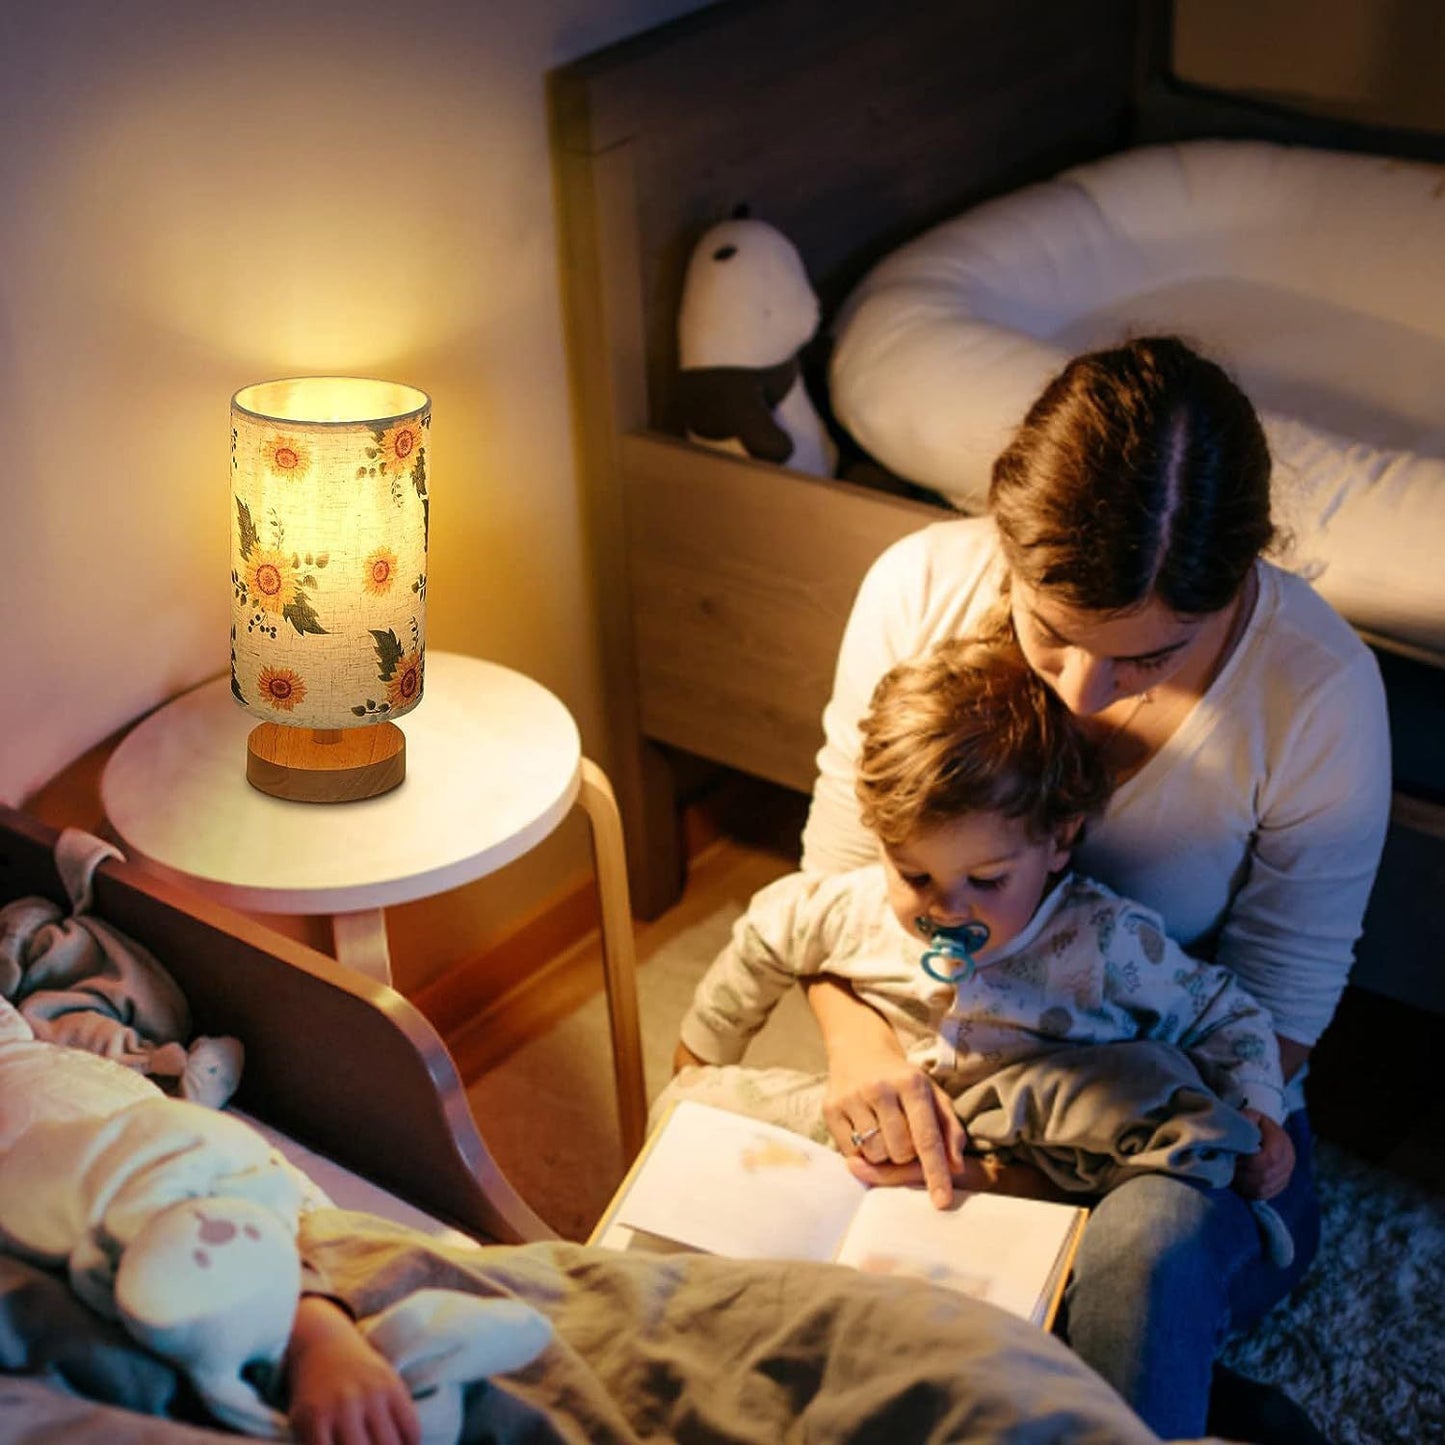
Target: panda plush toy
[{"x": 747, "y": 310}]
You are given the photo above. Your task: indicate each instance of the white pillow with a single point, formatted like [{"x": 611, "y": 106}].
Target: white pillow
[{"x": 1314, "y": 276}]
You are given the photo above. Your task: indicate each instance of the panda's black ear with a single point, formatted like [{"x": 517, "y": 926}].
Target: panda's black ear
[{"x": 741, "y": 211}]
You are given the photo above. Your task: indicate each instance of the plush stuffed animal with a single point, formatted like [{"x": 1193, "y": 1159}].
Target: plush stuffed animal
[
  {"x": 81, "y": 983},
  {"x": 181, "y": 1223},
  {"x": 212, "y": 1286},
  {"x": 747, "y": 309}
]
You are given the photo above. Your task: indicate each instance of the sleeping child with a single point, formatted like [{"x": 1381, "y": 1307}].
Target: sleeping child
[
  {"x": 1061, "y": 1023},
  {"x": 181, "y": 1224}
]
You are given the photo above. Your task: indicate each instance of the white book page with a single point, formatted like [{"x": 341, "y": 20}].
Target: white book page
[
  {"x": 734, "y": 1186},
  {"x": 994, "y": 1247}
]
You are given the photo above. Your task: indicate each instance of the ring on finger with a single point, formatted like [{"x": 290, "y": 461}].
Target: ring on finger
[{"x": 861, "y": 1136}]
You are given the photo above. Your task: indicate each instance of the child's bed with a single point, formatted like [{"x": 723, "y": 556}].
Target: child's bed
[
  {"x": 343, "y": 1066},
  {"x": 353, "y": 1080},
  {"x": 724, "y": 583}
]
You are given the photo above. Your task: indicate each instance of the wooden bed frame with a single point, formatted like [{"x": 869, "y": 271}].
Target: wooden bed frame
[
  {"x": 337, "y": 1062},
  {"x": 723, "y": 585}
]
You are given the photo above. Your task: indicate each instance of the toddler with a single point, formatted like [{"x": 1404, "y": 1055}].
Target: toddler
[{"x": 971, "y": 937}]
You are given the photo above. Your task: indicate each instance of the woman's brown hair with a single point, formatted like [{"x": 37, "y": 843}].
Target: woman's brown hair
[
  {"x": 969, "y": 727},
  {"x": 1141, "y": 471}
]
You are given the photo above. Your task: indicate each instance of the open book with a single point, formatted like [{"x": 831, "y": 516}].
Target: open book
[{"x": 721, "y": 1183}]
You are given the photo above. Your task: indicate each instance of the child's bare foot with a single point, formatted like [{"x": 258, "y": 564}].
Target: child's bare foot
[
  {"x": 1020, "y": 1179},
  {"x": 980, "y": 1173},
  {"x": 977, "y": 1174}
]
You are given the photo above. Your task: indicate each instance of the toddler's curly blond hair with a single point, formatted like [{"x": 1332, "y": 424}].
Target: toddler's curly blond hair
[{"x": 969, "y": 727}]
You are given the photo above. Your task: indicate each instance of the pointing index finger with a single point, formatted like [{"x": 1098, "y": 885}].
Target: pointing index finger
[{"x": 932, "y": 1151}]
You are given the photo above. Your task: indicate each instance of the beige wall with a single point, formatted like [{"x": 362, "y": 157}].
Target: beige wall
[
  {"x": 1381, "y": 61},
  {"x": 198, "y": 194}
]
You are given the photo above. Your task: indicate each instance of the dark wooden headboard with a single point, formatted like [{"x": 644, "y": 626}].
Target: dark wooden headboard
[{"x": 340, "y": 1063}]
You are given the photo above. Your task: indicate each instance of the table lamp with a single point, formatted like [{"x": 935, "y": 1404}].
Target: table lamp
[{"x": 328, "y": 580}]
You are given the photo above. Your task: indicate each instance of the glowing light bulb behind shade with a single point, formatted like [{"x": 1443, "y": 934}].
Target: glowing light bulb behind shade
[{"x": 329, "y": 520}]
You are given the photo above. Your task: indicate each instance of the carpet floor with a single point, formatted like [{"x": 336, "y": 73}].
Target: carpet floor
[{"x": 1361, "y": 1343}]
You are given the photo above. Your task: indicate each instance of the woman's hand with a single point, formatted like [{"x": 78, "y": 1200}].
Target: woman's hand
[
  {"x": 342, "y": 1391},
  {"x": 908, "y": 1129},
  {"x": 1264, "y": 1174},
  {"x": 901, "y": 1116},
  {"x": 982, "y": 1173}
]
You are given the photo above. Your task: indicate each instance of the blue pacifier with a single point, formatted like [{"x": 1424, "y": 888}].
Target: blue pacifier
[{"x": 957, "y": 944}]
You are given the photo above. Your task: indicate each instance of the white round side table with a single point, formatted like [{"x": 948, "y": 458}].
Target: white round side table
[{"x": 494, "y": 764}]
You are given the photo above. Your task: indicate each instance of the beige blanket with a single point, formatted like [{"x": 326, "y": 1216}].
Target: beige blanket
[{"x": 683, "y": 1348}]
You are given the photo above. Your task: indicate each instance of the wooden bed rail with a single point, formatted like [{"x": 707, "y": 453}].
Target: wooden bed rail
[
  {"x": 340, "y": 1063},
  {"x": 738, "y": 606}
]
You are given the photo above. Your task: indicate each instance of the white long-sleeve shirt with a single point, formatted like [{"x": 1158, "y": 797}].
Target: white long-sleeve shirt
[
  {"x": 1254, "y": 832},
  {"x": 1089, "y": 968}
]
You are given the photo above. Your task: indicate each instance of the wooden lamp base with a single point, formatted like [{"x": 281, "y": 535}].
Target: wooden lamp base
[{"x": 312, "y": 765}]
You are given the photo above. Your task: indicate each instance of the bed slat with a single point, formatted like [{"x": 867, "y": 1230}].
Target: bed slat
[{"x": 743, "y": 577}]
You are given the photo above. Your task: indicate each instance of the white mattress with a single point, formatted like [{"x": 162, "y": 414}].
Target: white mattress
[{"x": 1317, "y": 278}]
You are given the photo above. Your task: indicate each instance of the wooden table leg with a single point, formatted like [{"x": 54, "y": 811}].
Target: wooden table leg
[
  {"x": 359, "y": 941},
  {"x": 619, "y": 953}
]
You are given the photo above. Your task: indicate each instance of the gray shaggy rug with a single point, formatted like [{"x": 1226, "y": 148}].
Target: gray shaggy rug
[{"x": 1361, "y": 1343}]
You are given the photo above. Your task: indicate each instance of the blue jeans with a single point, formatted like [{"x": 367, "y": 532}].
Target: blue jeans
[{"x": 1166, "y": 1270}]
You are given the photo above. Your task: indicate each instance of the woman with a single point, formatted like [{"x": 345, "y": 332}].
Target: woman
[{"x": 1246, "y": 726}]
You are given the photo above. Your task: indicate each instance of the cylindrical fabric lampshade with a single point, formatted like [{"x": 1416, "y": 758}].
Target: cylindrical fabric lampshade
[{"x": 329, "y": 520}]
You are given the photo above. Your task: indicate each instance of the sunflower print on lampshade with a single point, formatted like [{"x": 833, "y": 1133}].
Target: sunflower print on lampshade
[{"x": 329, "y": 523}]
